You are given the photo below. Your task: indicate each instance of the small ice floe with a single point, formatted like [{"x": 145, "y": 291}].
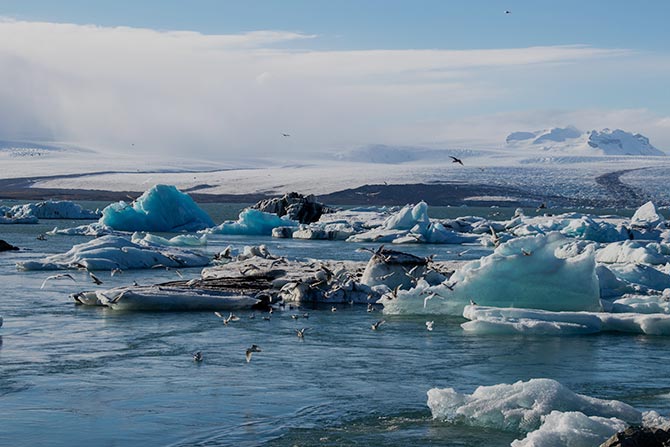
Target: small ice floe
[
  {"x": 253, "y": 222},
  {"x": 110, "y": 252},
  {"x": 161, "y": 208},
  {"x": 528, "y": 406},
  {"x": 182, "y": 240},
  {"x": 166, "y": 297},
  {"x": 495, "y": 320}
]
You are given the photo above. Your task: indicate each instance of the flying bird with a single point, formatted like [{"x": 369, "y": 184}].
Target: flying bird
[
  {"x": 429, "y": 325},
  {"x": 301, "y": 332},
  {"x": 197, "y": 357},
  {"x": 507, "y": 11},
  {"x": 285, "y": 134},
  {"x": 525, "y": 252},
  {"x": 456, "y": 160},
  {"x": 231, "y": 317},
  {"x": 376, "y": 325},
  {"x": 251, "y": 350},
  {"x": 95, "y": 279},
  {"x": 58, "y": 276},
  {"x": 116, "y": 271}
]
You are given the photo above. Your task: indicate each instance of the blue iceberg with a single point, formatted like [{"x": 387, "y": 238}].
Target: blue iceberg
[
  {"x": 253, "y": 222},
  {"x": 161, "y": 208}
]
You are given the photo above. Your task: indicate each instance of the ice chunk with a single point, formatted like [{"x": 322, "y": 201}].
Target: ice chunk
[
  {"x": 571, "y": 429},
  {"x": 646, "y": 216},
  {"x": 598, "y": 231},
  {"x": 540, "y": 272},
  {"x": 161, "y": 208},
  {"x": 495, "y": 320},
  {"x": 253, "y": 222},
  {"x": 632, "y": 252},
  {"x": 110, "y": 252},
  {"x": 521, "y": 405},
  {"x": 642, "y": 275},
  {"x": 183, "y": 240},
  {"x": 51, "y": 209}
]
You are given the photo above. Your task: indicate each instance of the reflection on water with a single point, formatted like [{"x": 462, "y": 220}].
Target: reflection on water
[{"x": 86, "y": 376}]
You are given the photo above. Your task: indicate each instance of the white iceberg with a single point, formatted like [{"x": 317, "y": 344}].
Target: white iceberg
[
  {"x": 50, "y": 209},
  {"x": 540, "y": 272},
  {"x": 646, "y": 216},
  {"x": 253, "y": 222},
  {"x": 161, "y": 208},
  {"x": 182, "y": 240},
  {"x": 520, "y": 406},
  {"x": 494, "y": 320},
  {"x": 640, "y": 252},
  {"x": 114, "y": 252},
  {"x": 571, "y": 429}
]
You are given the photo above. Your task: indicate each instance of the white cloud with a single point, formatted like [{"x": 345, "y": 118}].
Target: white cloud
[{"x": 225, "y": 95}]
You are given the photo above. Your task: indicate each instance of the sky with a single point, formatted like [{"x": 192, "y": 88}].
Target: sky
[{"x": 220, "y": 79}]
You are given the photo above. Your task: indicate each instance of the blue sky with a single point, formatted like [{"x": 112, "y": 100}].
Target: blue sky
[{"x": 339, "y": 73}]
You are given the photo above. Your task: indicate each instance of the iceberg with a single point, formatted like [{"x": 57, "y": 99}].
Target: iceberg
[
  {"x": 412, "y": 225},
  {"x": 646, "y": 216},
  {"x": 520, "y": 406},
  {"x": 183, "y": 240},
  {"x": 51, "y": 209},
  {"x": 573, "y": 429},
  {"x": 540, "y": 272},
  {"x": 636, "y": 252},
  {"x": 493, "y": 320},
  {"x": 162, "y": 208},
  {"x": 254, "y": 223},
  {"x": 114, "y": 252}
]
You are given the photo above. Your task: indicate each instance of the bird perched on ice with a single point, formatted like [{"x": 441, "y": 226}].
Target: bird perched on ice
[
  {"x": 251, "y": 350},
  {"x": 456, "y": 160},
  {"x": 58, "y": 276}
]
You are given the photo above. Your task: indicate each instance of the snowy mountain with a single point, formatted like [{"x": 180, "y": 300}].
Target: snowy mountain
[{"x": 573, "y": 141}]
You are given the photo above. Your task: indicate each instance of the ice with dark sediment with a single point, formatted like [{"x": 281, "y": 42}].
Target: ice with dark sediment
[{"x": 115, "y": 252}]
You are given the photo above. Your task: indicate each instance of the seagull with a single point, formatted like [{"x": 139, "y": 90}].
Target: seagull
[
  {"x": 41, "y": 237},
  {"x": 285, "y": 134},
  {"x": 252, "y": 316},
  {"x": 58, "y": 276},
  {"x": 95, "y": 279},
  {"x": 251, "y": 350},
  {"x": 230, "y": 318},
  {"x": 371, "y": 308},
  {"x": 459, "y": 254},
  {"x": 472, "y": 303},
  {"x": 450, "y": 286},
  {"x": 429, "y": 325},
  {"x": 197, "y": 357},
  {"x": 456, "y": 160},
  {"x": 116, "y": 271},
  {"x": 301, "y": 332},
  {"x": 376, "y": 325},
  {"x": 333, "y": 309},
  {"x": 305, "y": 315},
  {"x": 295, "y": 317},
  {"x": 494, "y": 237}
]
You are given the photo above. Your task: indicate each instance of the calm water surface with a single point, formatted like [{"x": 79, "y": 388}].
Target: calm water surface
[{"x": 71, "y": 375}]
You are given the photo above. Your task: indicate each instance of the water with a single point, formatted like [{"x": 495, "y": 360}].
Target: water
[{"x": 72, "y": 375}]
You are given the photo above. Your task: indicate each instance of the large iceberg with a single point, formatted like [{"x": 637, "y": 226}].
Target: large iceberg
[
  {"x": 114, "y": 252},
  {"x": 161, "y": 208},
  {"x": 253, "y": 222},
  {"x": 541, "y": 272}
]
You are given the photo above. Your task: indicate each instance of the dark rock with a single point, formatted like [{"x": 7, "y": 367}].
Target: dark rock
[
  {"x": 304, "y": 209},
  {"x": 639, "y": 437},
  {"x": 4, "y": 246}
]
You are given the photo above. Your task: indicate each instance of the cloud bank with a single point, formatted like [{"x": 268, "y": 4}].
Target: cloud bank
[{"x": 216, "y": 96}]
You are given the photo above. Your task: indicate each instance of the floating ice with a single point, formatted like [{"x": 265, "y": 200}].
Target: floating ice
[
  {"x": 494, "y": 320},
  {"x": 93, "y": 229},
  {"x": 253, "y": 222},
  {"x": 541, "y": 272},
  {"x": 412, "y": 225},
  {"x": 571, "y": 429},
  {"x": 50, "y": 209},
  {"x": 641, "y": 275},
  {"x": 161, "y": 208},
  {"x": 521, "y": 405},
  {"x": 183, "y": 240},
  {"x": 633, "y": 252},
  {"x": 646, "y": 216},
  {"x": 110, "y": 252},
  {"x": 643, "y": 304}
]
